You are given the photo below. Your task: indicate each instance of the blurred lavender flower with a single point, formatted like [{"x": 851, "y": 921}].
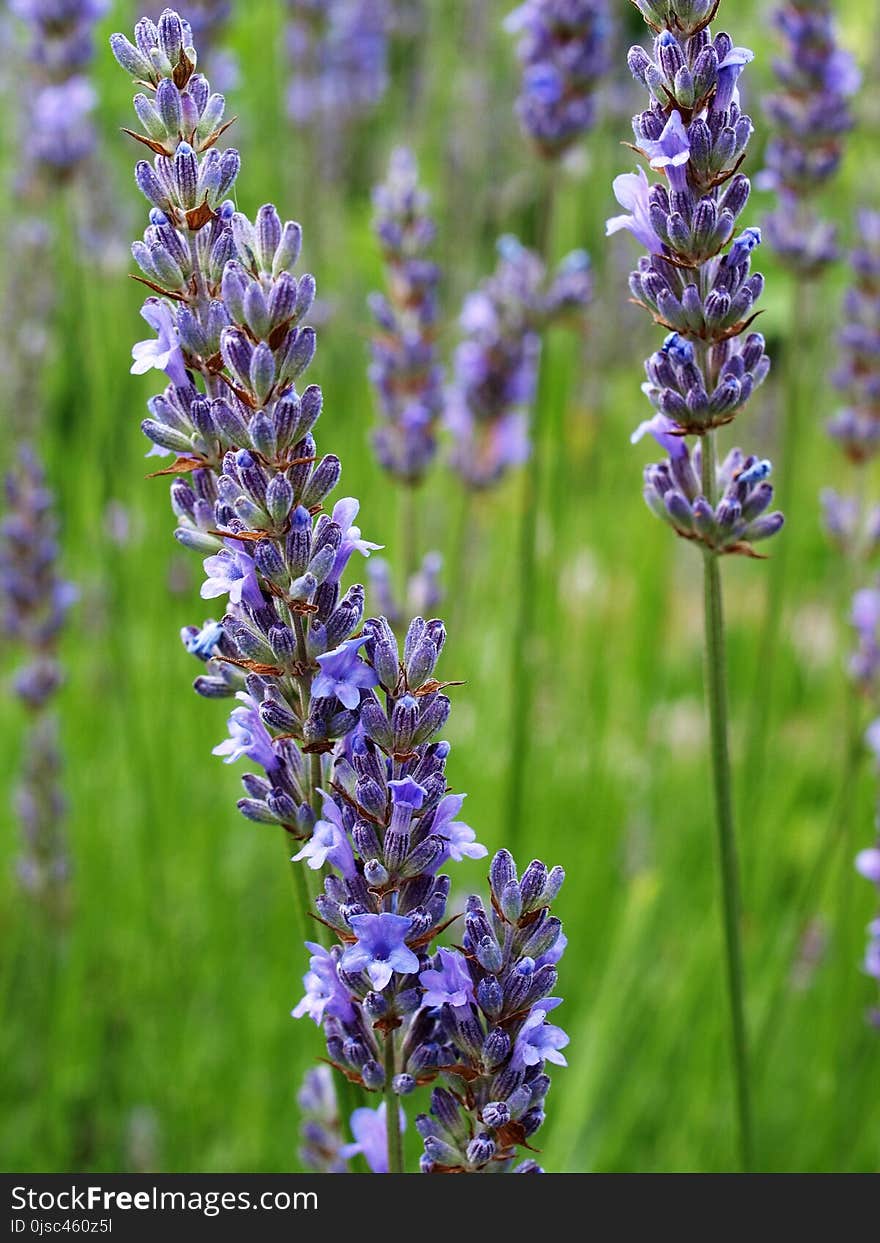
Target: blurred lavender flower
[
  {"x": 856, "y": 427},
  {"x": 320, "y": 1131},
  {"x": 496, "y": 363},
  {"x": 59, "y": 97},
  {"x": 564, "y": 49},
  {"x": 35, "y": 603},
  {"x": 406, "y": 370},
  {"x": 338, "y": 52},
  {"x": 810, "y": 115}
]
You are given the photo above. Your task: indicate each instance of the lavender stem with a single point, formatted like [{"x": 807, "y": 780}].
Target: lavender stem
[
  {"x": 392, "y": 1109},
  {"x": 716, "y": 694}
]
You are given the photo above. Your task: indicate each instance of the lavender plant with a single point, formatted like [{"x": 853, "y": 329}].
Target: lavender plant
[
  {"x": 810, "y": 115},
  {"x": 853, "y": 520},
  {"x": 35, "y": 604},
  {"x": 696, "y": 281},
  {"x": 61, "y": 96},
  {"x": 405, "y": 369},
  {"x": 338, "y": 52},
  {"x": 493, "y": 388},
  {"x": 342, "y": 726},
  {"x": 564, "y": 50}
]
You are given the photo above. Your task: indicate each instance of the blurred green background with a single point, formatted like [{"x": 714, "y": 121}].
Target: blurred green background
[{"x": 153, "y": 1032}]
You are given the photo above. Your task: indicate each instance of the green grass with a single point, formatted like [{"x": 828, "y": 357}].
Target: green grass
[{"x": 154, "y": 1031}]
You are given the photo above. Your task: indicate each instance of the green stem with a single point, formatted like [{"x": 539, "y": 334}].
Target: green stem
[
  {"x": 409, "y": 538},
  {"x": 521, "y": 670},
  {"x": 716, "y": 694},
  {"x": 392, "y": 1111}
]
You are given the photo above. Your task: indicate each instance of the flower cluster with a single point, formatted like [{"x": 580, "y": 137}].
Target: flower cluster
[
  {"x": 810, "y": 115},
  {"x": 673, "y": 492},
  {"x": 338, "y": 52},
  {"x": 496, "y": 362},
  {"x": 405, "y": 369},
  {"x": 60, "y": 97},
  {"x": 696, "y": 280},
  {"x": 564, "y": 49},
  {"x": 489, "y": 1006},
  {"x": 35, "y": 606}
]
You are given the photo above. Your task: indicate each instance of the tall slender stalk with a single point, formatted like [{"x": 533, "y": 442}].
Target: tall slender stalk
[
  {"x": 716, "y": 695},
  {"x": 409, "y": 535},
  {"x": 521, "y": 671},
  {"x": 392, "y": 1111}
]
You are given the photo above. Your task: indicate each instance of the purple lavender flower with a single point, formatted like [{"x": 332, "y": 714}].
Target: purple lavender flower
[
  {"x": 856, "y": 427},
  {"x": 564, "y": 50},
  {"x": 697, "y": 279},
  {"x": 343, "y": 674},
  {"x": 380, "y": 948},
  {"x": 338, "y": 57},
  {"x": 448, "y": 981},
  {"x": 163, "y": 353},
  {"x": 325, "y": 993},
  {"x": 539, "y": 1041},
  {"x": 810, "y": 114},
  {"x": 59, "y": 97},
  {"x": 737, "y": 520},
  {"x": 496, "y": 363},
  {"x": 35, "y": 601},
  {"x": 405, "y": 369}
]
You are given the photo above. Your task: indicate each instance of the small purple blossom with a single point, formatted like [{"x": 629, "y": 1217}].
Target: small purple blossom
[
  {"x": 329, "y": 843},
  {"x": 325, "y": 994},
  {"x": 247, "y": 736},
  {"x": 162, "y": 351},
  {"x": 631, "y": 191},
  {"x": 460, "y": 838},
  {"x": 448, "y": 982},
  {"x": 232, "y": 572},
  {"x": 343, "y": 674},
  {"x": 380, "y": 948},
  {"x": 540, "y": 1041}
]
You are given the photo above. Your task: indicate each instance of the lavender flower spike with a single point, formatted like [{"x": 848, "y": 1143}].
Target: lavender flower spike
[
  {"x": 405, "y": 370},
  {"x": 564, "y": 50},
  {"x": 496, "y": 364},
  {"x": 338, "y": 52},
  {"x": 697, "y": 282},
  {"x": 61, "y": 98},
  {"x": 342, "y": 723},
  {"x": 35, "y": 606},
  {"x": 856, "y": 426},
  {"x": 810, "y": 115}
]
